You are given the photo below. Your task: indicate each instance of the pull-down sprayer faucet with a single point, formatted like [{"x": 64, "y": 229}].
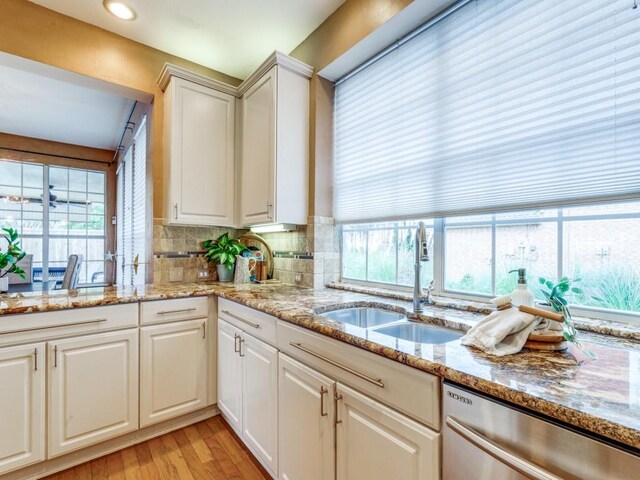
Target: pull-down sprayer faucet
[{"x": 422, "y": 255}]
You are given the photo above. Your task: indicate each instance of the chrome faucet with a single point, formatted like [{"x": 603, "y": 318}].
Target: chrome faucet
[{"x": 422, "y": 255}]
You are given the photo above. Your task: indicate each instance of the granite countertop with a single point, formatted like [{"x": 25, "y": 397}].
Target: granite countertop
[{"x": 600, "y": 396}]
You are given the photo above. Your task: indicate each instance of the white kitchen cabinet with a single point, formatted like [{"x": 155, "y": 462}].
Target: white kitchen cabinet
[
  {"x": 22, "y": 404},
  {"x": 306, "y": 424},
  {"x": 199, "y": 166},
  {"x": 93, "y": 389},
  {"x": 230, "y": 374},
  {"x": 260, "y": 399},
  {"x": 173, "y": 373},
  {"x": 275, "y": 143},
  {"x": 248, "y": 390},
  {"x": 374, "y": 442}
]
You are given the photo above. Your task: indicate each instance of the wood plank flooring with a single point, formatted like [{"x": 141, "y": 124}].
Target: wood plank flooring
[{"x": 208, "y": 450}]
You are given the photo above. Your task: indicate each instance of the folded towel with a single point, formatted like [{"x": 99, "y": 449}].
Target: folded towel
[{"x": 502, "y": 333}]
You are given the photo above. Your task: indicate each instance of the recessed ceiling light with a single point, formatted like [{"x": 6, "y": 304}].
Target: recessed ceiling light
[{"x": 119, "y": 9}]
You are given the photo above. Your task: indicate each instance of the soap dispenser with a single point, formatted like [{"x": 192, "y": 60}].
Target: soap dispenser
[{"x": 522, "y": 295}]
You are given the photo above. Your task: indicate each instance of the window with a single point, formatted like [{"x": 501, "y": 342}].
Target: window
[
  {"x": 382, "y": 253},
  {"x": 596, "y": 244},
  {"x": 71, "y": 222},
  {"x": 513, "y": 125},
  {"x": 132, "y": 211}
]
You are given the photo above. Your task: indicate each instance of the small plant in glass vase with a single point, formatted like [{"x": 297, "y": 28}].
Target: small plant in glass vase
[
  {"x": 9, "y": 259},
  {"x": 555, "y": 297}
]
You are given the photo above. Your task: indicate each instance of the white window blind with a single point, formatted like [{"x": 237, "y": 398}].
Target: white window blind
[
  {"x": 139, "y": 216},
  {"x": 131, "y": 211},
  {"x": 502, "y": 104}
]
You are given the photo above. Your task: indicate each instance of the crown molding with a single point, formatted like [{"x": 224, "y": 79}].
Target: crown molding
[
  {"x": 170, "y": 70},
  {"x": 276, "y": 58},
  {"x": 280, "y": 59}
]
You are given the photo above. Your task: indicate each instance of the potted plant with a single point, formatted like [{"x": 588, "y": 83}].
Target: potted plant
[
  {"x": 9, "y": 259},
  {"x": 556, "y": 300},
  {"x": 224, "y": 251}
]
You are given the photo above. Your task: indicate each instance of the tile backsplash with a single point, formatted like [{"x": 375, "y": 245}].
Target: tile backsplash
[
  {"x": 312, "y": 251},
  {"x": 177, "y": 251}
]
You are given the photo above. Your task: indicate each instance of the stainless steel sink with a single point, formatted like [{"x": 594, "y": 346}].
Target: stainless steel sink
[
  {"x": 364, "y": 317},
  {"x": 421, "y": 333}
]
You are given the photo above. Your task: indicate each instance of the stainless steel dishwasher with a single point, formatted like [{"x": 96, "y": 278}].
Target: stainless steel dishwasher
[{"x": 489, "y": 440}]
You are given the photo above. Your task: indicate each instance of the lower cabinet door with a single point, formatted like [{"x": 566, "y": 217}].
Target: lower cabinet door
[
  {"x": 22, "y": 415},
  {"x": 306, "y": 422},
  {"x": 173, "y": 373},
  {"x": 374, "y": 442},
  {"x": 93, "y": 389},
  {"x": 260, "y": 400},
  {"x": 230, "y": 374}
]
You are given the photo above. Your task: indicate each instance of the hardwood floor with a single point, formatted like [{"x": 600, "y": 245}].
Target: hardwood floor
[{"x": 208, "y": 450}]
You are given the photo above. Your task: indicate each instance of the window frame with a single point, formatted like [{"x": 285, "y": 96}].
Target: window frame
[{"x": 438, "y": 260}]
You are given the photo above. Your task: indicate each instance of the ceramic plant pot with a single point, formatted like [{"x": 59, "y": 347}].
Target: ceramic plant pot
[
  {"x": 224, "y": 274},
  {"x": 4, "y": 284}
]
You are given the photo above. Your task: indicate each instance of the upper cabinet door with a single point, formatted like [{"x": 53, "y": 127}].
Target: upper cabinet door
[
  {"x": 93, "y": 389},
  {"x": 21, "y": 406},
  {"x": 259, "y": 151},
  {"x": 200, "y": 131},
  {"x": 374, "y": 442}
]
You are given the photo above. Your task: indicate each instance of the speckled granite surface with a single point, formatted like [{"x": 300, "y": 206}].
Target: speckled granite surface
[{"x": 602, "y": 396}]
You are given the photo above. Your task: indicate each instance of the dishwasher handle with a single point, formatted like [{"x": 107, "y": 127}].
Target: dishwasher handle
[{"x": 511, "y": 460}]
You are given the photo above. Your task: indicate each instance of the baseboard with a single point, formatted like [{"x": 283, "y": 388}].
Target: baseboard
[{"x": 54, "y": 465}]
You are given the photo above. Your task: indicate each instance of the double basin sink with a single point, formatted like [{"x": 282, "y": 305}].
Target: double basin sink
[{"x": 393, "y": 324}]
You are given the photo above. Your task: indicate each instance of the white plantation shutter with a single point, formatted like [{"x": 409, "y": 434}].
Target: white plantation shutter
[
  {"x": 127, "y": 218},
  {"x": 500, "y": 105},
  {"x": 139, "y": 214},
  {"x": 131, "y": 210}
]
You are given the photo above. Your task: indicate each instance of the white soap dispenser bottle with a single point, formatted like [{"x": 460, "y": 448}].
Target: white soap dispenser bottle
[{"x": 522, "y": 295}]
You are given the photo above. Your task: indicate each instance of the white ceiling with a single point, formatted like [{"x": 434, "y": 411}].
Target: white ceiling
[
  {"x": 231, "y": 36},
  {"x": 37, "y": 102}
]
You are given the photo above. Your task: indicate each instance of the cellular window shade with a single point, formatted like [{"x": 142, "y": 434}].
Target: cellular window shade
[{"x": 499, "y": 105}]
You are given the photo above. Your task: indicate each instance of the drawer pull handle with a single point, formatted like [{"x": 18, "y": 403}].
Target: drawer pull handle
[
  {"x": 376, "y": 381},
  {"x": 204, "y": 330},
  {"x": 35, "y": 360},
  {"x": 336, "y": 398},
  {"x": 504, "y": 456},
  {"x": 55, "y": 356},
  {"x": 322, "y": 393},
  {"x": 240, "y": 347},
  {"x": 48, "y": 327},
  {"x": 240, "y": 319},
  {"x": 235, "y": 342},
  {"x": 183, "y": 310}
]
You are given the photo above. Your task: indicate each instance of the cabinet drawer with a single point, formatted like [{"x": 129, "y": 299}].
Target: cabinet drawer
[
  {"x": 164, "y": 311},
  {"x": 406, "y": 389},
  {"x": 62, "y": 323},
  {"x": 252, "y": 321}
]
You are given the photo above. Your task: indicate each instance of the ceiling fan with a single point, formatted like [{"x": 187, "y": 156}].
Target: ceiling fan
[{"x": 52, "y": 199}]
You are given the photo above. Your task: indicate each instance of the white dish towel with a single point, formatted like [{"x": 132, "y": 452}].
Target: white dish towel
[{"x": 502, "y": 333}]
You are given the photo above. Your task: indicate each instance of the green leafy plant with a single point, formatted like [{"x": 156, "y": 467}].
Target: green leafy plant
[
  {"x": 223, "y": 250},
  {"x": 9, "y": 259},
  {"x": 555, "y": 296},
  {"x": 617, "y": 288}
]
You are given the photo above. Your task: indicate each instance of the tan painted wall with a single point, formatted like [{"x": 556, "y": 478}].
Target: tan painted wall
[
  {"x": 39, "y": 34},
  {"x": 352, "y": 22}
]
